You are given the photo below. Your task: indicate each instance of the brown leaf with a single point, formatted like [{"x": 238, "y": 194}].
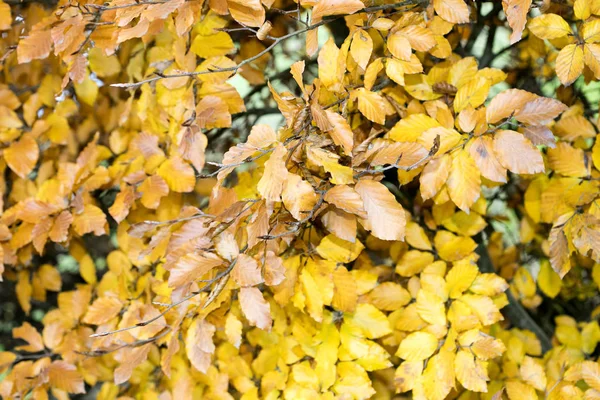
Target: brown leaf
[
  {"x": 506, "y": 103},
  {"x": 516, "y": 13},
  {"x": 455, "y": 11},
  {"x": 123, "y": 203},
  {"x": 199, "y": 344},
  {"x": 298, "y": 196},
  {"x": 385, "y": 217},
  {"x": 559, "y": 251},
  {"x": 434, "y": 175},
  {"x": 246, "y": 271},
  {"x": 540, "y": 136},
  {"x": 256, "y": 309},
  {"x": 35, "y": 46},
  {"x": 191, "y": 267},
  {"x": 130, "y": 357},
  {"x": 340, "y": 223},
  {"x": 347, "y": 199},
  {"x": 516, "y": 153},
  {"x": 271, "y": 183},
  {"x": 482, "y": 152},
  {"x": 335, "y": 7},
  {"x": 341, "y": 133},
  {"x": 540, "y": 111},
  {"x": 274, "y": 269}
]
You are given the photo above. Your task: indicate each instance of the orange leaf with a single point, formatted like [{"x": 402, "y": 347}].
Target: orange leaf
[
  {"x": 21, "y": 156},
  {"x": 31, "y": 336}
]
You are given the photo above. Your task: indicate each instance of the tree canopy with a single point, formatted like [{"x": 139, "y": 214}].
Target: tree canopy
[{"x": 299, "y": 199}]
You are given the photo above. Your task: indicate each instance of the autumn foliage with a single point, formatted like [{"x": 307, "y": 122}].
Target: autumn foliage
[{"x": 418, "y": 218}]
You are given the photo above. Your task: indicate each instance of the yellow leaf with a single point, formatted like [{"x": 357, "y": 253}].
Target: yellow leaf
[
  {"x": 5, "y": 17},
  {"x": 327, "y": 354},
  {"x": 591, "y": 56},
  {"x": 417, "y": 346},
  {"x": 483, "y": 307},
  {"x": 87, "y": 91},
  {"x": 471, "y": 373},
  {"x": 582, "y": 9},
  {"x": 413, "y": 262},
  {"x": 178, "y": 174},
  {"x": 355, "y": 382},
  {"x": 64, "y": 376},
  {"x": 438, "y": 378},
  {"x": 464, "y": 181},
  {"x": 473, "y": 94},
  {"x": 92, "y": 219},
  {"x": 518, "y": 390},
  {"x": 371, "y": 105},
  {"x": 548, "y": 280},
  {"x": 431, "y": 307},
  {"x": 330, "y": 72},
  {"x": 389, "y": 296},
  {"x": 549, "y": 26},
  {"x": 451, "y": 247},
  {"x": 487, "y": 347},
  {"x": 335, "y": 7},
  {"x": 533, "y": 373},
  {"x": 416, "y": 236},
  {"x": 407, "y": 374},
  {"x": 247, "y": 12},
  {"x": 102, "y": 310},
  {"x": 361, "y": 48},
  {"x": 191, "y": 267},
  {"x": 346, "y": 292},
  {"x": 246, "y": 271},
  {"x": 218, "y": 44},
  {"x": 409, "y": 129},
  {"x": 87, "y": 269},
  {"x": 504, "y": 104},
  {"x": 539, "y": 111},
  {"x": 460, "y": 277},
  {"x": 399, "y": 46},
  {"x": 569, "y": 63},
  {"x": 371, "y": 322},
  {"x": 335, "y": 249},
  {"x": 233, "y": 330}
]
